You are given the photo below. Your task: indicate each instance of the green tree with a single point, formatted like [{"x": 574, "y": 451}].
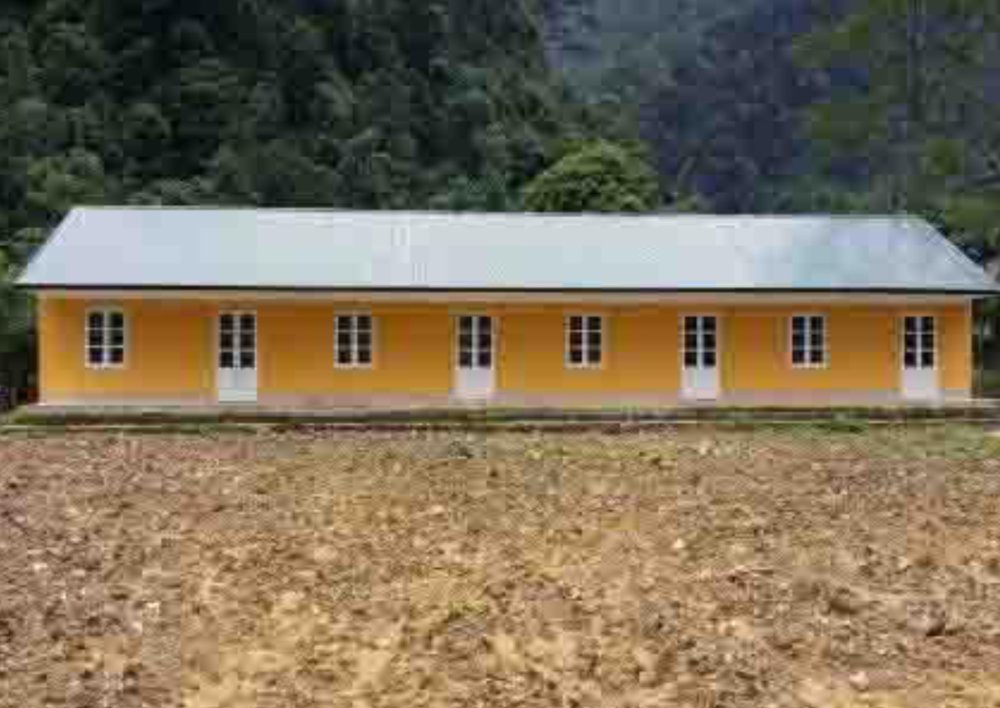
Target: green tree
[
  {"x": 601, "y": 177},
  {"x": 16, "y": 326}
]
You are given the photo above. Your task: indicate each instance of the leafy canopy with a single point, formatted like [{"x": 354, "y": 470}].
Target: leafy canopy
[{"x": 600, "y": 177}]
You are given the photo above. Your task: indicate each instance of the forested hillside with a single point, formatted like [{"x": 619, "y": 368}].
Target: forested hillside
[
  {"x": 387, "y": 103},
  {"x": 803, "y": 105}
]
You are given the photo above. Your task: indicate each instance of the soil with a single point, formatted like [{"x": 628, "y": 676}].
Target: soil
[{"x": 696, "y": 568}]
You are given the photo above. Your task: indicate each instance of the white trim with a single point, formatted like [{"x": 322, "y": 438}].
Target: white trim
[
  {"x": 694, "y": 380},
  {"x": 237, "y": 314},
  {"x": 105, "y": 311},
  {"x": 494, "y": 332},
  {"x": 718, "y": 337},
  {"x": 809, "y": 348},
  {"x": 355, "y": 364},
  {"x": 920, "y": 346},
  {"x": 568, "y": 331},
  {"x": 488, "y": 298}
]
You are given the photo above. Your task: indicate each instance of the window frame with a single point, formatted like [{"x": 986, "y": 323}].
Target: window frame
[
  {"x": 700, "y": 350},
  {"x": 808, "y": 347},
  {"x": 586, "y": 347},
  {"x": 105, "y": 311},
  {"x": 920, "y": 349},
  {"x": 354, "y": 331}
]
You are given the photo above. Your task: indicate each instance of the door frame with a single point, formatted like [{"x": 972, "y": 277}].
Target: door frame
[
  {"x": 456, "y": 349},
  {"x": 936, "y": 369},
  {"x": 217, "y": 333},
  {"x": 684, "y": 316}
]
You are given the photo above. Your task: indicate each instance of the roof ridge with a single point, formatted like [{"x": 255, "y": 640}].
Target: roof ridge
[{"x": 504, "y": 214}]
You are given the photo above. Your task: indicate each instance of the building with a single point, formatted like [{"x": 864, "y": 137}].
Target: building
[{"x": 325, "y": 309}]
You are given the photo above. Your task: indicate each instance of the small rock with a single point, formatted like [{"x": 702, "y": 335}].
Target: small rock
[
  {"x": 845, "y": 602},
  {"x": 860, "y": 681}
]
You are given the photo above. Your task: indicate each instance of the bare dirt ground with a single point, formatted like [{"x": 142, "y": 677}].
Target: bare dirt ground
[{"x": 701, "y": 568}]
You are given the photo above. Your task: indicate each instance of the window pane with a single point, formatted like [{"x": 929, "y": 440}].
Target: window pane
[
  {"x": 799, "y": 340},
  {"x": 226, "y": 360},
  {"x": 576, "y": 339},
  {"x": 95, "y": 356},
  {"x": 690, "y": 325},
  {"x": 576, "y": 324},
  {"x": 708, "y": 324},
  {"x": 95, "y": 320},
  {"x": 248, "y": 323},
  {"x": 798, "y": 324},
  {"x": 465, "y": 360},
  {"x": 691, "y": 360},
  {"x": 345, "y": 324},
  {"x": 486, "y": 324},
  {"x": 576, "y": 356},
  {"x": 691, "y": 342},
  {"x": 465, "y": 324},
  {"x": 365, "y": 339},
  {"x": 929, "y": 324},
  {"x": 817, "y": 323},
  {"x": 798, "y": 356},
  {"x": 817, "y": 357},
  {"x": 927, "y": 340},
  {"x": 485, "y": 340},
  {"x": 365, "y": 356},
  {"x": 708, "y": 341},
  {"x": 594, "y": 339},
  {"x": 344, "y": 357},
  {"x": 247, "y": 340},
  {"x": 117, "y": 355},
  {"x": 365, "y": 322},
  {"x": 910, "y": 360},
  {"x": 594, "y": 356},
  {"x": 118, "y": 337},
  {"x": 594, "y": 323},
  {"x": 486, "y": 359},
  {"x": 910, "y": 341},
  {"x": 95, "y": 338},
  {"x": 226, "y": 323},
  {"x": 927, "y": 360},
  {"x": 911, "y": 324},
  {"x": 117, "y": 320},
  {"x": 816, "y": 339},
  {"x": 226, "y": 341},
  {"x": 247, "y": 360},
  {"x": 465, "y": 341},
  {"x": 709, "y": 360}
]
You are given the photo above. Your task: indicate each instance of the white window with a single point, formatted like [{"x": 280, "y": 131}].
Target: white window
[
  {"x": 585, "y": 341},
  {"x": 105, "y": 339},
  {"x": 354, "y": 340},
  {"x": 919, "y": 342},
  {"x": 809, "y": 342}
]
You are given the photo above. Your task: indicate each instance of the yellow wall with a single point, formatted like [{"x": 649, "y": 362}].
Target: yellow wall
[{"x": 171, "y": 350}]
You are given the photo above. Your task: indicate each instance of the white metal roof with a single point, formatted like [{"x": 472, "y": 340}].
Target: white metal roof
[{"x": 277, "y": 249}]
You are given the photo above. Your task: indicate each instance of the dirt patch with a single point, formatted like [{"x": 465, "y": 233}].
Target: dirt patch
[{"x": 794, "y": 568}]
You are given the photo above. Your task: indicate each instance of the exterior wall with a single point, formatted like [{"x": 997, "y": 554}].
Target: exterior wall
[{"x": 171, "y": 354}]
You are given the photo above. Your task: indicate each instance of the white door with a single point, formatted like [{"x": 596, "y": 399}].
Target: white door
[
  {"x": 237, "y": 376},
  {"x": 475, "y": 377},
  {"x": 920, "y": 358},
  {"x": 700, "y": 358}
]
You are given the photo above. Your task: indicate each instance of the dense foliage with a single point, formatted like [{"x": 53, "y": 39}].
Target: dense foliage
[
  {"x": 387, "y": 103},
  {"x": 601, "y": 177}
]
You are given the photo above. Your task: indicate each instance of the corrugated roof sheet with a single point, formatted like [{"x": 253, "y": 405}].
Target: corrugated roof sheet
[{"x": 302, "y": 249}]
